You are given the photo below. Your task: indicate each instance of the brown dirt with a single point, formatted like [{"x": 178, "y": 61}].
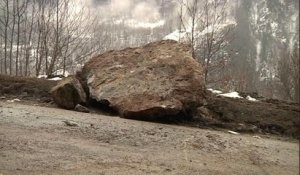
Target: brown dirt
[
  {"x": 26, "y": 88},
  {"x": 38, "y": 140}
]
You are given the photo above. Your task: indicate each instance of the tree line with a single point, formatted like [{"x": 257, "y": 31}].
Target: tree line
[{"x": 40, "y": 36}]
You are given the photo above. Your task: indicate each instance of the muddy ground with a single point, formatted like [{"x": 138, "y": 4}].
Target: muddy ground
[
  {"x": 41, "y": 140},
  {"x": 36, "y": 137}
]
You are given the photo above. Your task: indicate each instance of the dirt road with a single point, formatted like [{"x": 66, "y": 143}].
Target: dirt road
[{"x": 38, "y": 140}]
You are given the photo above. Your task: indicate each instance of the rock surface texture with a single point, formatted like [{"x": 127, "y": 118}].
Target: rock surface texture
[
  {"x": 154, "y": 81},
  {"x": 68, "y": 93}
]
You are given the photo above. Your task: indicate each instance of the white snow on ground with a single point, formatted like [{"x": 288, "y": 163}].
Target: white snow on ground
[
  {"x": 42, "y": 76},
  {"x": 173, "y": 36},
  {"x": 250, "y": 98},
  {"x": 61, "y": 72},
  {"x": 177, "y": 36},
  {"x": 231, "y": 95},
  {"x": 184, "y": 35},
  {"x": 14, "y": 100},
  {"x": 51, "y": 79},
  {"x": 215, "y": 91},
  {"x": 58, "y": 72},
  {"x": 216, "y": 28},
  {"x": 55, "y": 79}
]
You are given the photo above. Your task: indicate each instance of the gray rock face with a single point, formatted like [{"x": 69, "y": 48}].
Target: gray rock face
[
  {"x": 68, "y": 93},
  {"x": 157, "y": 80}
]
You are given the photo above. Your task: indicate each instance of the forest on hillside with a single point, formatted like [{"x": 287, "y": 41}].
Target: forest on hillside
[{"x": 246, "y": 46}]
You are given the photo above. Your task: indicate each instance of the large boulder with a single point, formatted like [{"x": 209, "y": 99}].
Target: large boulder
[
  {"x": 68, "y": 93},
  {"x": 158, "y": 80}
]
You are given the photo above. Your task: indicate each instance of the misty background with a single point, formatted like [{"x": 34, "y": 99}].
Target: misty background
[{"x": 254, "y": 45}]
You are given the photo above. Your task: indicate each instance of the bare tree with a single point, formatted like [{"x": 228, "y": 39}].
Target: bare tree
[
  {"x": 20, "y": 8},
  {"x": 6, "y": 26},
  {"x": 191, "y": 21},
  {"x": 289, "y": 73},
  {"x": 12, "y": 36},
  {"x": 209, "y": 36},
  {"x": 28, "y": 29}
]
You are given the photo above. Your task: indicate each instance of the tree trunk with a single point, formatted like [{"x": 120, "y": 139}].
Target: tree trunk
[
  {"x": 6, "y": 36},
  {"x": 29, "y": 42},
  {"x": 37, "y": 64},
  {"x": 18, "y": 38},
  {"x": 56, "y": 48},
  {"x": 12, "y": 38}
]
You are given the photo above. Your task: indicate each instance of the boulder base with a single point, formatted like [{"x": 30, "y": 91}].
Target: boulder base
[{"x": 154, "y": 81}]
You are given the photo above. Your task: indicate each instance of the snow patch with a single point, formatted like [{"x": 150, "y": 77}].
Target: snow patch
[
  {"x": 42, "y": 76},
  {"x": 14, "y": 100},
  {"x": 215, "y": 91},
  {"x": 216, "y": 28},
  {"x": 231, "y": 95},
  {"x": 176, "y": 35},
  {"x": 61, "y": 72},
  {"x": 55, "y": 79},
  {"x": 250, "y": 98}
]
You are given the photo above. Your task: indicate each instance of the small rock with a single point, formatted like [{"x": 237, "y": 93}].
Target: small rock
[
  {"x": 24, "y": 94},
  {"x": 81, "y": 108},
  {"x": 69, "y": 123},
  {"x": 2, "y": 98},
  {"x": 257, "y": 137},
  {"x": 232, "y": 132},
  {"x": 46, "y": 100},
  {"x": 168, "y": 169}
]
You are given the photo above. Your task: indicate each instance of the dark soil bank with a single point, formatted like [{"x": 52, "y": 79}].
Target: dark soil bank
[
  {"x": 264, "y": 116},
  {"x": 26, "y": 88}
]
